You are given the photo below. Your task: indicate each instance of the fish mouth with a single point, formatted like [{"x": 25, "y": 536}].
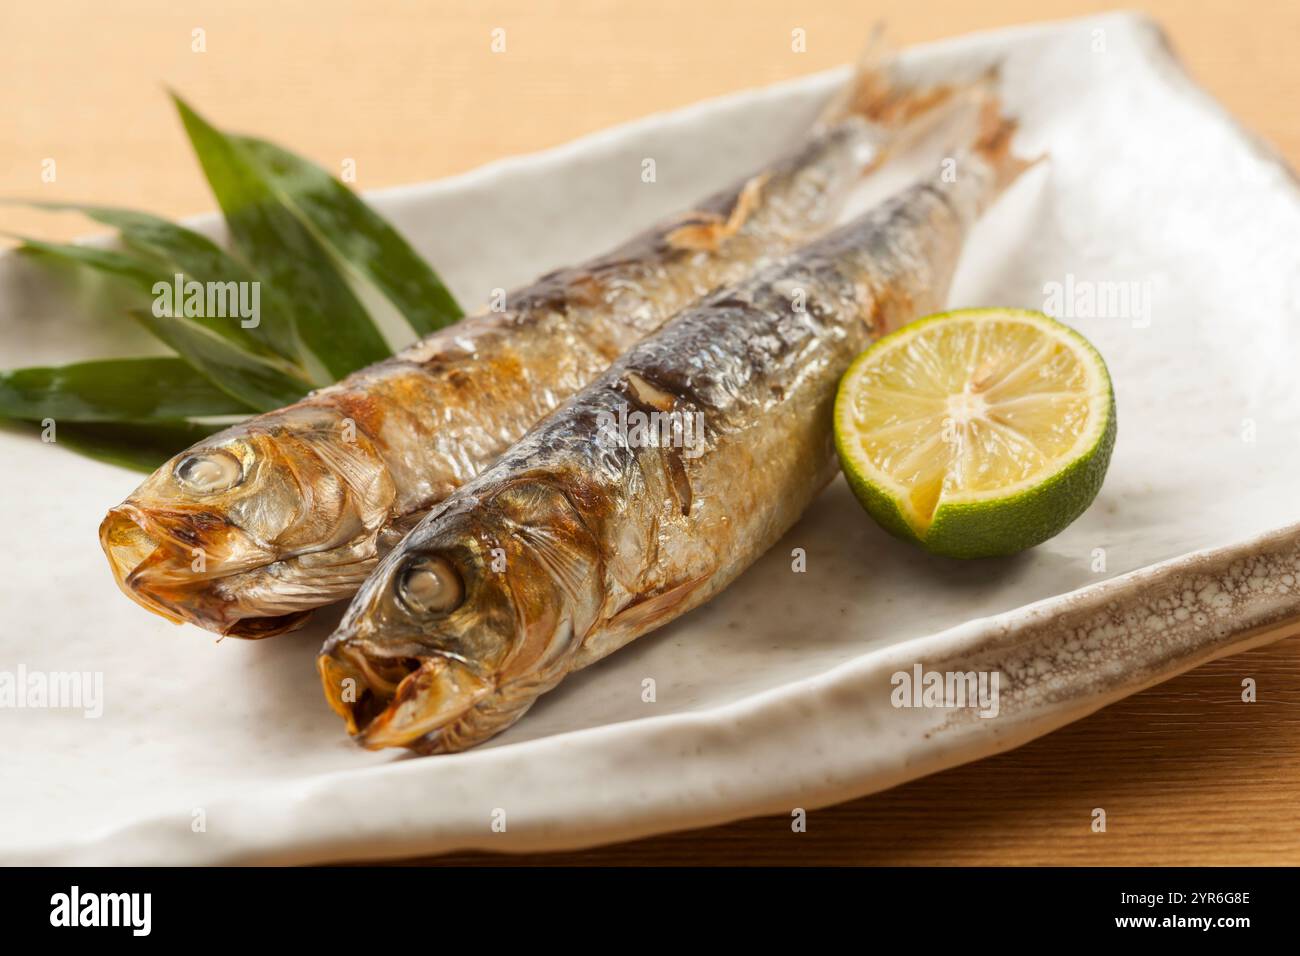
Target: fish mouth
[
  {"x": 398, "y": 701},
  {"x": 153, "y": 558}
]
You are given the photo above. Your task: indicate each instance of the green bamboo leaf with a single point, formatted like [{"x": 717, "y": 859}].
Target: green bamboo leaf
[
  {"x": 330, "y": 321},
  {"x": 258, "y": 382},
  {"x": 140, "y": 447},
  {"x": 147, "y": 275},
  {"x": 358, "y": 236},
  {"x": 137, "y": 273},
  {"x": 183, "y": 251},
  {"x": 127, "y": 390}
]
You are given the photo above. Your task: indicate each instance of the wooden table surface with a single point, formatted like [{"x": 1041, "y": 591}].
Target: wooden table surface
[{"x": 410, "y": 91}]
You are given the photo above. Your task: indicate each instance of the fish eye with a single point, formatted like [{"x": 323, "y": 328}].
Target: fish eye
[
  {"x": 209, "y": 472},
  {"x": 430, "y": 585}
]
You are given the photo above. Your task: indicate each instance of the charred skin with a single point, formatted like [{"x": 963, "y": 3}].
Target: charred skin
[
  {"x": 423, "y": 423},
  {"x": 579, "y": 540}
]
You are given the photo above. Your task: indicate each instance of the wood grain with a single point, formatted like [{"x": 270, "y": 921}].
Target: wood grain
[{"x": 410, "y": 91}]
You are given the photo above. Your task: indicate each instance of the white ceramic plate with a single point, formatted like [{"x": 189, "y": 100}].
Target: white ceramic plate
[{"x": 778, "y": 694}]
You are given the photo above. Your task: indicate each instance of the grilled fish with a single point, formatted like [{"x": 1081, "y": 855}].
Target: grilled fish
[
  {"x": 588, "y": 533},
  {"x": 248, "y": 531}
]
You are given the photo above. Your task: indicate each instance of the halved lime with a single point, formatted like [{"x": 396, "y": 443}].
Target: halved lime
[{"x": 976, "y": 433}]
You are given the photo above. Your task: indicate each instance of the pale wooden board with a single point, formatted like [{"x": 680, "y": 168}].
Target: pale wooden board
[{"x": 1186, "y": 772}]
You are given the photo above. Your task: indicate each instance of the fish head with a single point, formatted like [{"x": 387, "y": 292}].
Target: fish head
[
  {"x": 248, "y": 530},
  {"x": 461, "y": 628}
]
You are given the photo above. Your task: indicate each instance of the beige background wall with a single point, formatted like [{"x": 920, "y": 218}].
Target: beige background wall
[{"x": 411, "y": 90}]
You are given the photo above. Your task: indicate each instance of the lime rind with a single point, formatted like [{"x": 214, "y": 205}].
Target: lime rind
[{"x": 994, "y": 522}]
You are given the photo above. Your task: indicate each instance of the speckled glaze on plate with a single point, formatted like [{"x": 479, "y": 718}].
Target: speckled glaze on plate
[{"x": 778, "y": 693}]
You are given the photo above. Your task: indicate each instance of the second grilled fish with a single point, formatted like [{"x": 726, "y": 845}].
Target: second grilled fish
[{"x": 587, "y": 533}]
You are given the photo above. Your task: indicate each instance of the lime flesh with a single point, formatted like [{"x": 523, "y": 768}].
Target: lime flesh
[{"x": 977, "y": 433}]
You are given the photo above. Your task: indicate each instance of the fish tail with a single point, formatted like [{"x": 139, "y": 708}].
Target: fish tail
[
  {"x": 992, "y": 144},
  {"x": 885, "y": 94}
]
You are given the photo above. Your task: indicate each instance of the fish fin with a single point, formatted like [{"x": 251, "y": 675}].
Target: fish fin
[
  {"x": 876, "y": 91},
  {"x": 992, "y": 143},
  {"x": 904, "y": 101},
  {"x": 708, "y": 230},
  {"x": 637, "y": 618},
  {"x": 868, "y": 85}
]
